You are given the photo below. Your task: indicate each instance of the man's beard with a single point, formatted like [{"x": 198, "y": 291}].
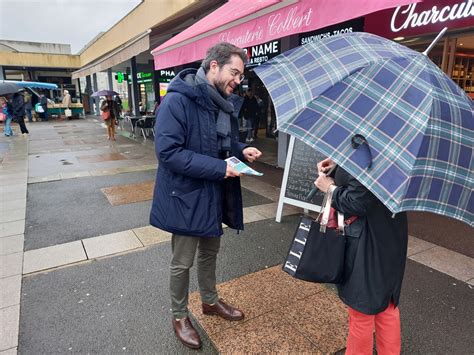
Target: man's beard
[{"x": 220, "y": 87}]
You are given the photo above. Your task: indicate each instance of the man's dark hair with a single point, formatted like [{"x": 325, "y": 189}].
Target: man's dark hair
[{"x": 221, "y": 53}]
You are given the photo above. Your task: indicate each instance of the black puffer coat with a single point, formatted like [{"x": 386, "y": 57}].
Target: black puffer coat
[{"x": 376, "y": 247}]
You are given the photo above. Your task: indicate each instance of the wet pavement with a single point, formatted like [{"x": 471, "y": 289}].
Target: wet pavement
[{"x": 94, "y": 275}]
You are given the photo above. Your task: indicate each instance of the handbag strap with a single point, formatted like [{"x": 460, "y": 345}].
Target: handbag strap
[{"x": 325, "y": 209}]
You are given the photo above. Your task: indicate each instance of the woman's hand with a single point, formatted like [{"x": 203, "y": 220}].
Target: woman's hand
[
  {"x": 323, "y": 182},
  {"x": 325, "y": 165}
]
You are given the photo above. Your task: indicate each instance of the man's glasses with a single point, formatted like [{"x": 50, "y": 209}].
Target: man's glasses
[{"x": 236, "y": 74}]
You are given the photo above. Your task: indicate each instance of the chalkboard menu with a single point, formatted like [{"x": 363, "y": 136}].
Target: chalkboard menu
[
  {"x": 303, "y": 172},
  {"x": 299, "y": 176}
]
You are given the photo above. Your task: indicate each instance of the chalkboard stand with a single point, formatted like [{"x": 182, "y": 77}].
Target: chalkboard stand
[{"x": 283, "y": 199}]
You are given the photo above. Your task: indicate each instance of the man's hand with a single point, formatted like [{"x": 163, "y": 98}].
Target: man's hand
[
  {"x": 251, "y": 154},
  {"x": 231, "y": 172},
  {"x": 325, "y": 165}
]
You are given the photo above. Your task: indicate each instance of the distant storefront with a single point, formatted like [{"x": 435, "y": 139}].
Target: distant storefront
[{"x": 416, "y": 26}]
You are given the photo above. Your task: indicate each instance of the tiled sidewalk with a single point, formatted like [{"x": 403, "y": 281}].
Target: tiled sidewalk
[{"x": 13, "y": 186}]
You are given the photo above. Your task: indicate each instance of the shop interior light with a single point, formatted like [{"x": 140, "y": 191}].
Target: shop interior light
[{"x": 399, "y": 38}]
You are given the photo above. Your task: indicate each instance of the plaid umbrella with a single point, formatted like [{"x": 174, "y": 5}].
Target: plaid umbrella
[{"x": 384, "y": 113}]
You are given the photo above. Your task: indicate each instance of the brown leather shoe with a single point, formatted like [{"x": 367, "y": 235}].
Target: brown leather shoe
[
  {"x": 222, "y": 309},
  {"x": 186, "y": 333}
]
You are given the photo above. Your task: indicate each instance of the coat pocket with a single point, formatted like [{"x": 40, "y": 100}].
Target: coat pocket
[{"x": 188, "y": 211}]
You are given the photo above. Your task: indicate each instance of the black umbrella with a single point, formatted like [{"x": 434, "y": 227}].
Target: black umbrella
[
  {"x": 105, "y": 93},
  {"x": 9, "y": 88}
]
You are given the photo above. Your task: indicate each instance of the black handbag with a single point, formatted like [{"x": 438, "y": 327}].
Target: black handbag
[{"x": 317, "y": 253}]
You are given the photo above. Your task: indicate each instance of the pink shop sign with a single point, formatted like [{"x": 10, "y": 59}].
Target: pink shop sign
[{"x": 302, "y": 16}]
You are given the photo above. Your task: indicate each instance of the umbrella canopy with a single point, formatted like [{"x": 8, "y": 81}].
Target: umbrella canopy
[
  {"x": 12, "y": 86},
  {"x": 105, "y": 93},
  {"x": 8, "y": 87},
  {"x": 384, "y": 113}
]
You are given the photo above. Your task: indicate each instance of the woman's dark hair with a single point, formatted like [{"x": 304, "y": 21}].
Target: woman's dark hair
[{"x": 221, "y": 53}]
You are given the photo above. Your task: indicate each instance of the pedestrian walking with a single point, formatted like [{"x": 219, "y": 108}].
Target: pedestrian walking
[
  {"x": 250, "y": 110},
  {"x": 44, "y": 104},
  {"x": 18, "y": 103},
  {"x": 375, "y": 255},
  {"x": 66, "y": 102},
  {"x": 7, "y": 110},
  {"x": 110, "y": 106},
  {"x": 28, "y": 106},
  {"x": 196, "y": 189}
]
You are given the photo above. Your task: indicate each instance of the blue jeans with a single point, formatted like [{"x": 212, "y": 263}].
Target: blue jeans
[
  {"x": 28, "y": 114},
  {"x": 8, "y": 127}
]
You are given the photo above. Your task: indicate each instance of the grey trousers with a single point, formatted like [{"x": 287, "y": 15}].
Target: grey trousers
[{"x": 184, "y": 249}]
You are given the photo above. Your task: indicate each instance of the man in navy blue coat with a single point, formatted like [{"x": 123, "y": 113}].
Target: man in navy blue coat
[{"x": 196, "y": 190}]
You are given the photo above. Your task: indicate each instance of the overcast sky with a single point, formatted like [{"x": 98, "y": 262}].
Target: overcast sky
[{"x": 73, "y": 22}]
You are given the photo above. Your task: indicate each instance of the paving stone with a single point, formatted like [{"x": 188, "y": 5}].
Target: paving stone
[
  {"x": 130, "y": 193},
  {"x": 471, "y": 282},
  {"x": 101, "y": 158},
  {"x": 322, "y": 318},
  {"x": 7, "y": 196},
  {"x": 74, "y": 175},
  {"x": 54, "y": 256},
  {"x": 448, "y": 262},
  {"x": 12, "y": 351},
  {"x": 10, "y": 288},
  {"x": 13, "y": 188},
  {"x": 11, "y": 215},
  {"x": 15, "y": 181},
  {"x": 9, "y": 324},
  {"x": 251, "y": 215},
  {"x": 268, "y": 210},
  {"x": 417, "y": 245},
  {"x": 104, "y": 172},
  {"x": 12, "y": 228},
  {"x": 12, "y": 205},
  {"x": 11, "y": 264},
  {"x": 12, "y": 244},
  {"x": 267, "y": 334},
  {"x": 150, "y": 235},
  {"x": 111, "y": 244}
]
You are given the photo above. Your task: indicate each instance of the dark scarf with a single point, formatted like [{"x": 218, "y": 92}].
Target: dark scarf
[{"x": 225, "y": 110}]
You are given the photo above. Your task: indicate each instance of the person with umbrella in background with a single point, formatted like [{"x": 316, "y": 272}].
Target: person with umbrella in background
[
  {"x": 110, "y": 106},
  {"x": 18, "y": 104},
  {"x": 7, "y": 110}
]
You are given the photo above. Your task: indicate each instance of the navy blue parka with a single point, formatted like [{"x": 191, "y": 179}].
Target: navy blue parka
[{"x": 191, "y": 196}]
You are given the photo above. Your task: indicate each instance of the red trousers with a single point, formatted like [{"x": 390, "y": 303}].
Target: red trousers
[{"x": 360, "y": 340}]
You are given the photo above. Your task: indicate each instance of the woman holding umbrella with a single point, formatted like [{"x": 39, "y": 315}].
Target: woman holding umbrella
[
  {"x": 7, "y": 110},
  {"x": 376, "y": 249},
  {"x": 110, "y": 108}
]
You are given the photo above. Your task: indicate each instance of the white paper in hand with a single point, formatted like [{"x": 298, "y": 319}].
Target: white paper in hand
[{"x": 241, "y": 167}]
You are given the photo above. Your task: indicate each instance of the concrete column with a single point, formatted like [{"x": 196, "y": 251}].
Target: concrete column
[
  {"x": 79, "y": 89},
  {"x": 2, "y": 73},
  {"x": 96, "y": 98},
  {"x": 135, "y": 95},
  {"x": 109, "y": 78}
]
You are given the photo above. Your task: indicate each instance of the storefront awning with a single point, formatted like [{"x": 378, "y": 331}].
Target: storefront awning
[
  {"x": 248, "y": 23},
  {"x": 133, "y": 47}
]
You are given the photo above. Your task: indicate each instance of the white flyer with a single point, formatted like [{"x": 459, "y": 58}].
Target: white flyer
[{"x": 241, "y": 167}]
